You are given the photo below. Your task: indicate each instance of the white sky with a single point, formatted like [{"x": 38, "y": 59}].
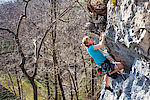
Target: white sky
[
  {"x": 2, "y": 1},
  {"x": 5, "y": 0}
]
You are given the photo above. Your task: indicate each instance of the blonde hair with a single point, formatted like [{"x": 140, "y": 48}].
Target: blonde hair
[{"x": 85, "y": 42}]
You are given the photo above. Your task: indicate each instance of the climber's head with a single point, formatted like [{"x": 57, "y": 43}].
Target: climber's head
[{"x": 86, "y": 41}]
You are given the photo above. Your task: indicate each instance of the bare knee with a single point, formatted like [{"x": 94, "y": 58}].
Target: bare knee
[
  {"x": 118, "y": 65},
  {"x": 121, "y": 66}
]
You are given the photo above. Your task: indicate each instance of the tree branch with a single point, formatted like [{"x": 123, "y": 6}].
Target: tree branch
[
  {"x": 47, "y": 31},
  {"x": 66, "y": 21},
  {"x": 23, "y": 59},
  {"x": 75, "y": 87},
  {"x": 3, "y": 53},
  {"x": 5, "y": 29},
  {"x": 23, "y": 16},
  {"x": 83, "y": 8}
]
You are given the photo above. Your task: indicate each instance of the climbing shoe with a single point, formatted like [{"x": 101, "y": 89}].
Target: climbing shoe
[{"x": 109, "y": 88}]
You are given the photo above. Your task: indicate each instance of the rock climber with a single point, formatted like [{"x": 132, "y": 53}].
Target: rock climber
[{"x": 110, "y": 68}]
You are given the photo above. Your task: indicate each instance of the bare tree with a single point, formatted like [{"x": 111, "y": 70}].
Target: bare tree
[
  {"x": 71, "y": 94},
  {"x": 87, "y": 91},
  {"x": 64, "y": 25},
  {"x": 75, "y": 70},
  {"x": 55, "y": 62},
  {"x": 11, "y": 80},
  {"x": 92, "y": 84},
  {"x": 18, "y": 83}
]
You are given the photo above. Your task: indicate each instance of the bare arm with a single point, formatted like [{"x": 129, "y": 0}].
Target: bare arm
[{"x": 101, "y": 43}]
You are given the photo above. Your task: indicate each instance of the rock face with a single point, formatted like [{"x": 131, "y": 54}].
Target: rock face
[
  {"x": 128, "y": 30},
  {"x": 128, "y": 41},
  {"x": 135, "y": 87}
]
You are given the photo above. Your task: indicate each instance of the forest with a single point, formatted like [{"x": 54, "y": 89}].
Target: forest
[{"x": 41, "y": 56}]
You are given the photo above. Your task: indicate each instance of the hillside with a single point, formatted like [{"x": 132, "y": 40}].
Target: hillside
[{"x": 75, "y": 74}]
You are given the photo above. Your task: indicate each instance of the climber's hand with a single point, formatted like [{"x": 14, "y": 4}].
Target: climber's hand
[
  {"x": 108, "y": 74},
  {"x": 102, "y": 33}
]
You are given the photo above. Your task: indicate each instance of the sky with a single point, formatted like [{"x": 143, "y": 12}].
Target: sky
[{"x": 3, "y": 1}]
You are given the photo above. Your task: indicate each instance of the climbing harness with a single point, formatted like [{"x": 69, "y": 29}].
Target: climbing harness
[{"x": 100, "y": 71}]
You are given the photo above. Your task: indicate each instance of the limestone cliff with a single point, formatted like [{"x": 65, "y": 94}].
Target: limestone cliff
[
  {"x": 128, "y": 29},
  {"x": 128, "y": 40}
]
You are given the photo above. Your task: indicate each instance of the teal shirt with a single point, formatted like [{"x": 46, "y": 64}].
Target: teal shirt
[{"x": 98, "y": 57}]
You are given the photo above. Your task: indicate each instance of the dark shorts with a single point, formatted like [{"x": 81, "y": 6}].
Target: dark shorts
[{"x": 108, "y": 66}]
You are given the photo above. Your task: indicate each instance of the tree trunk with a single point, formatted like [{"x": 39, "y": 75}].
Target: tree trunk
[
  {"x": 87, "y": 92},
  {"x": 92, "y": 84},
  {"x": 21, "y": 89},
  {"x": 73, "y": 81},
  {"x": 47, "y": 84},
  {"x": 75, "y": 88},
  {"x": 61, "y": 87},
  {"x": 46, "y": 75},
  {"x": 75, "y": 71},
  {"x": 18, "y": 83},
  {"x": 53, "y": 12},
  {"x": 75, "y": 76},
  {"x": 55, "y": 76},
  {"x": 34, "y": 87},
  {"x": 71, "y": 95}
]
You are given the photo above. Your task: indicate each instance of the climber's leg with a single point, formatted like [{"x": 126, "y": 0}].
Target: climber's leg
[
  {"x": 107, "y": 81},
  {"x": 118, "y": 66},
  {"x": 107, "y": 87}
]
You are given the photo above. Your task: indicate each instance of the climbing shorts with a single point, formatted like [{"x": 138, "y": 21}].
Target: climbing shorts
[{"x": 107, "y": 66}]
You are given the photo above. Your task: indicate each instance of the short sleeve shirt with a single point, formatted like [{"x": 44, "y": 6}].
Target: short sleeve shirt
[{"x": 98, "y": 57}]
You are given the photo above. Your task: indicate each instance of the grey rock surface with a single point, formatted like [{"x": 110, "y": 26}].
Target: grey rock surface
[
  {"x": 136, "y": 85},
  {"x": 128, "y": 41},
  {"x": 128, "y": 30}
]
